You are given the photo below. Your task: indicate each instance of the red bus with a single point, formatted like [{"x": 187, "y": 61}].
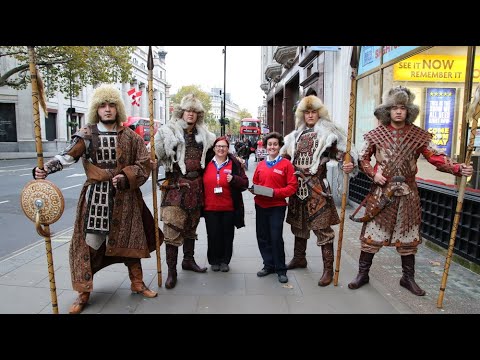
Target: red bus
[
  {"x": 142, "y": 126},
  {"x": 250, "y": 126}
]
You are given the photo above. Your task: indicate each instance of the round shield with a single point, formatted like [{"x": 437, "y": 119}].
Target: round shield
[{"x": 47, "y": 196}]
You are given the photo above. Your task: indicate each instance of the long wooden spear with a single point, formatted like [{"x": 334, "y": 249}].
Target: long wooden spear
[
  {"x": 41, "y": 200},
  {"x": 347, "y": 159},
  {"x": 473, "y": 113},
  {"x": 154, "y": 171}
]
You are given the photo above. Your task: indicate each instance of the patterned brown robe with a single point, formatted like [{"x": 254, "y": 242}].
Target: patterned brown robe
[
  {"x": 131, "y": 233},
  {"x": 396, "y": 152}
]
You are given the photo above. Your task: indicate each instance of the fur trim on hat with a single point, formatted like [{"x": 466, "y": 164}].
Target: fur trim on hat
[
  {"x": 310, "y": 102},
  {"x": 106, "y": 93},
  {"x": 190, "y": 102},
  {"x": 398, "y": 95}
]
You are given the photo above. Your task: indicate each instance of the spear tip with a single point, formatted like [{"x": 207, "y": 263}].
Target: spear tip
[{"x": 150, "y": 59}]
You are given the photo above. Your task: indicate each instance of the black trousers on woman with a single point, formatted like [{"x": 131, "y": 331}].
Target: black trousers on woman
[
  {"x": 220, "y": 232},
  {"x": 269, "y": 226}
]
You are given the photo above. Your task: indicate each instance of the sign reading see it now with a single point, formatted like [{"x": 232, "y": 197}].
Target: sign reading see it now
[{"x": 436, "y": 68}]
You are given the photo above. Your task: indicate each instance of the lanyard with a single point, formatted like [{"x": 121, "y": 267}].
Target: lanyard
[{"x": 219, "y": 167}]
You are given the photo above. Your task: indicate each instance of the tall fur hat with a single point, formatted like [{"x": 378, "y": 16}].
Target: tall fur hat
[
  {"x": 398, "y": 95},
  {"x": 190, "y": 102},
  {"x": 106, "y": 93},
  {"x": 310, "y": 102}
]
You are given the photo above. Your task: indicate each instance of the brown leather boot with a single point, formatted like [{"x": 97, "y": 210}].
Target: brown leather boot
[
  {"x": 407, "y": 280},
  {"x": 136, "y": 277},
  {"x": 363, "y": 268},
  {"x": 299, "y": 252},
  {"x": 80, "y": 302},
  {"x": 172, "y": 255},
  {"x": 188, "y": 262},
  {"x": 327, "y": 255}
]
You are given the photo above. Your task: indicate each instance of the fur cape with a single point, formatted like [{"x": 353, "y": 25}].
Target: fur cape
[
  {"x": 327, "y": 134},
  {"x": 170, "y": 143}
]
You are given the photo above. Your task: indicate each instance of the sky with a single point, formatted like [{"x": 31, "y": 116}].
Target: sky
[{"x": 204, "y": 66}]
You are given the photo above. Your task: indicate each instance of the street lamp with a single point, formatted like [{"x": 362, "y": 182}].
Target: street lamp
[{"x": 222, "y": 120}]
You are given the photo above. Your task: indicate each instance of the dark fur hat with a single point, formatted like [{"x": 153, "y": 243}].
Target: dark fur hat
[{"x": 398, "y": 95}]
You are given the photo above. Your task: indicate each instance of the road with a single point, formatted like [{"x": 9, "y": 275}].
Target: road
[{"x": 16, "y": 230}]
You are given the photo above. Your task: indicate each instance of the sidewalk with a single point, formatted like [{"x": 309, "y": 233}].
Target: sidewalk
[{"x": 24, "y": 284}]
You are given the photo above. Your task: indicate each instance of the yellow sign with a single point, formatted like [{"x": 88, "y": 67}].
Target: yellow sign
[{"x": 434, "y": 68}]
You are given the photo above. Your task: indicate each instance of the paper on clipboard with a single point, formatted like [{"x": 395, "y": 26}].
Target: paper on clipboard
[{"x": 262, "y": 190}]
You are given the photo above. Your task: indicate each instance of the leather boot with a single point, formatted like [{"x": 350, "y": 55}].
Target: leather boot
[
  {"x": 172, "y": 255},
  {"x": 188, "y": 262},
  {"x": 80, "y": 302},
  {"x": 363, "y": 268},
  {"x": 136, "y": 277},
  {"x": 327, "y": 255},
  {"x": 299, "y": 252},
  {"x": 407, "y": 280}
]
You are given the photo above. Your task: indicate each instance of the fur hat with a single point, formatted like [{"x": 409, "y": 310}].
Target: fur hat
[
  {"x": 190, "y": 102},
  {"x": 398, "y": 95},
  {"x": 310, "y": 102},
  {"x": 106, "y": 93}
]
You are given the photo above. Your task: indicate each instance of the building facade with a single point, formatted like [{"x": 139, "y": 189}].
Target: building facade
[{"x": 58, "y": 125}]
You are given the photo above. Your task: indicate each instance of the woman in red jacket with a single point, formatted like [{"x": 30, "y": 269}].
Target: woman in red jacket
[
  {"x": 277, "y": 174},
  {"x": 224, "y": 180}
]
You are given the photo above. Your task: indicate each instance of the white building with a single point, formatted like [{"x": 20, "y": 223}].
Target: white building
[
  {"x": 16, "y": 115},
  {"x": 231, "y": 109}
]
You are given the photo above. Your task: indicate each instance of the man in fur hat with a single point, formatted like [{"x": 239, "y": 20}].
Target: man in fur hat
[
  {"x": 181, "y": 146},
  {"x": 315, "y": 140},
  {"x": 396, "y": 145},
  {"x": 113, "y": 224}
]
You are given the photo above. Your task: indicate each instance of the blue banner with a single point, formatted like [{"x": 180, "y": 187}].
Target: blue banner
[{"x": 439, "y": 116}]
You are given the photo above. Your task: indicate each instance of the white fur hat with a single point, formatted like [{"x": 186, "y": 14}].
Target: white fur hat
[
  {"x": 310, "y": 102},
  {"x": 190, "y": 102},
  {"x": 106, "y": 93}
]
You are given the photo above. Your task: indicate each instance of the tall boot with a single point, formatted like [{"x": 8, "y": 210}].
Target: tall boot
[
  {"x": 299, "y": 252},
  {"x": 172, "y": 255},
  {"x": 407, "y": 280},
  {"x": 327, "y": 254},
  {"x": 188, "y": 262},
  {"x": 136, "y": 277},
  {"x": 80, "y": 302},
  {"x": 363, "y": 268}
]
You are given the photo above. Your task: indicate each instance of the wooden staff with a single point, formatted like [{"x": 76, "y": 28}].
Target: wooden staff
[
  {"x": 154, "y": 171},
  {"x": 347, "y": 159},
  {"x": 473, "y": 114},
  {"x": 38, "y": 143}
]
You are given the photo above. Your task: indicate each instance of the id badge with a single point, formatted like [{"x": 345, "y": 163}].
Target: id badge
[{"x": 217, "y": 190}]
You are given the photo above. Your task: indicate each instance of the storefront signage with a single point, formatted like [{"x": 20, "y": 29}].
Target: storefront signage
[
  {"x": 439, "y": 116},
  {"x": 370, "y": 56},
  {"x": 436, "y": 68}
]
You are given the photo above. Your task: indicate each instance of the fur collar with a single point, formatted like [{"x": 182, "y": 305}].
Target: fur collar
[
  {"x": 327, "y": 133},
  {"x": 170, "y": 143}
]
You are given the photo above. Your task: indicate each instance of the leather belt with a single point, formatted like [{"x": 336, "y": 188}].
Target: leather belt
[
  {"x": 400, "y": 178},
  {"x": 191, "y": 174}
]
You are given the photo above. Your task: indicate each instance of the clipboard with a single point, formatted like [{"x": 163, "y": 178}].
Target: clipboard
[{"x": 262, "y": 190}]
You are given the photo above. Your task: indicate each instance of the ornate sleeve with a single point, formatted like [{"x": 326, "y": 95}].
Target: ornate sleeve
[
  {"x": 437, "y": 158},
  {"x": 364, "y": 157},
  {"x": 67, "y": 157}
]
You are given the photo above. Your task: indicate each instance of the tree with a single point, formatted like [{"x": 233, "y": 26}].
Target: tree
[
  {"x": 198, "y": 92},
  {"x": 242, "y": 114},
  {"x": 60, "y": 64}
]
